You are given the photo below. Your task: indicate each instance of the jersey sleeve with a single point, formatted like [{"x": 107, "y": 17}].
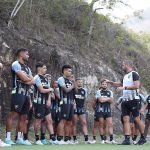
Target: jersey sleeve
[
  {"x": 37, "y": 81},
  {"x": 111, "y": 94},
  {"x": 61, "y": 82},
  {"x": 119, "y": 100},
  {"x": 16, "y": 67},
  {"x": 146, "y": 98},
  {"x": 143, "y": 99},
  {"x": 135, "y": 75},
  {"x": 98, "y": 94}
]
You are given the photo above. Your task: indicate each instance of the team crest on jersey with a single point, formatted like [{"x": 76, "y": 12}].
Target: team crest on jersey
[
  {"x": 38, "y": 114},
  {"x": 16, "y": 106},
  {"x": 129, "y": 76},
  {"x": 82, "y": 92}
]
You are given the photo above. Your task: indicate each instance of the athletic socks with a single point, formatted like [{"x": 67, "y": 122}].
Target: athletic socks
[
  {"x": 25, "y": 136},
  {"x": 8, "y": 135},
  {"x": 42, "y": 136},
  {"x": 127, "y": 137},
  {"x": 74, "y": 138},
  {"x": 37, "y": 137},
  {"x": 52, "y": 137},
  {"x": 142, "y": 136},
  {"x": 94, "y": 137},
  {"x": 111, "y": 137},
  {"x": 102, "y": 137},
  {"x": 86, "y": 137},
  {"x": 66, "y": 138},
  {"x": 59, "y": 138},
  {"x": 134, "y": 137}
]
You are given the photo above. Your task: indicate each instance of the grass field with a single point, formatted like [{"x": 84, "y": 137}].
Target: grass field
[{"x": 81, "y": 147}]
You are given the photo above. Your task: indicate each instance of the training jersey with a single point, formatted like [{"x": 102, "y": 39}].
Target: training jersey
[
  {"x": 128, "y": 80},
  {"x": 17, "y": 86},
  {"x": 80, "y": 96},
  {"x": 65, "y": 98},
  {"x": 106, "y": 106},
  {"x": 40, "y": 98},
  {"x": 148, "y": 104}
]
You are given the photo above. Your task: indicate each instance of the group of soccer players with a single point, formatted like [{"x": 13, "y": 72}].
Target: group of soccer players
[{"x": 57, "y": 106}]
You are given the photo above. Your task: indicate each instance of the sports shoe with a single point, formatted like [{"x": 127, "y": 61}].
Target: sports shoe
[
  {"x": 94, "y": 141},
  {"x": 53, "y": 142},
  {"x": 10, "y": 142},
  {"x": 113, "y": 142},
  {"x": 22, "y": 142},
  {"x": 75, "y": 142},
  {"x": 62, "y": 142},
  {"x": 126, "y": 142},
  {"x": 44, "y": 142},
  {"x": 107, "y": 142},
  {"x": 102, "y": 142},
  {"x": 27, "y": 142},
  {"x": 134, "y": 142},
  {"x": 2, "y": 144},
  {"x": 71, "y": 142},
  {"x": 89, "y": 142},
  {"x": 141, "y": 141},
  {"x": 38, "y": 142}
]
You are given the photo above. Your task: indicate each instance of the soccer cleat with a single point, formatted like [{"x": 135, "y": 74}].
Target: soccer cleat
[
  {"x": 10, "y": 142},
  {"x": 53, "y": 142},
  {"x": 113, "y": 142},
  {"x": 126, "y": 142},
  {"x": 141, "y": 141},
  {"x": 107, "y": 142},
  {"x": 39, "y": 142},
  {"x": 2, "y": 144},
  {"x": 75, "y": 142},
  {"x": 44, "y": 142},
  {"x": 62, "y": 142},
  {"x": 22, "y": 142},
  {"x": 89, "y": 142},
  {"x": 27, "y": 142},
  {"x": 102, "y": 142},
  {"x": 134, "y": 142}
]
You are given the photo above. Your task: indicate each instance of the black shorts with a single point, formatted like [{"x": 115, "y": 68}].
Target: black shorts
[
  {"x": 129, "y": 107},
  {"x": 79, "y": 111},
  {"x": 121, "y": 118},
  {"x": 67, "y": 111},
  {"x": 104, "y": 115},
  {"x": 41, "y": 111},
  {"x": 148, "y": 117},
  {"x": 55, "y": 115},
  {"x": 20, "y": 103},
  {"x": 96, "y": 117}
]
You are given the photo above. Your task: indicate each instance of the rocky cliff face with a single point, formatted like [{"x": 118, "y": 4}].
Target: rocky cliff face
[{"x": 56, "y": 45}]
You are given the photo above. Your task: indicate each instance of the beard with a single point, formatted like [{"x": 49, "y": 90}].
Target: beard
[{"x": 104, "y": 88}]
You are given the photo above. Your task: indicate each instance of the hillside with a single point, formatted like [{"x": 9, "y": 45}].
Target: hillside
[{"x": 56, "y": 32}]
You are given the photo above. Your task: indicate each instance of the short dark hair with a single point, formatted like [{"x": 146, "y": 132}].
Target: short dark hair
[
  {"x": 39, "y": 65},
  {"x": 102, "y": 80},
  {"x": 66, "y": 67},
  {"x": 21, "y": 50},
  {"x": 78, "y": 79},
  {"x": 128, "y": 62}
]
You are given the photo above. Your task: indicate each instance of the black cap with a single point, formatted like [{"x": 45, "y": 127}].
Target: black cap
[{"x": 21, "y": 50}]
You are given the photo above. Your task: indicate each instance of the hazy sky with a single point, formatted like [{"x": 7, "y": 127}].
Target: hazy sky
[{"x": 121, "y": 12}]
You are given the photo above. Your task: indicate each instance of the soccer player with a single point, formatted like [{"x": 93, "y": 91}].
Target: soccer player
[
  {"x": 66, "y": 88},
  {"x": 20, "y": 101},
  {"x": 130, "y": 87},
  {"x": 42, "y": 103},
  {"x": 79, "y": 112},
  {"x": 105, "y": 98}
]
